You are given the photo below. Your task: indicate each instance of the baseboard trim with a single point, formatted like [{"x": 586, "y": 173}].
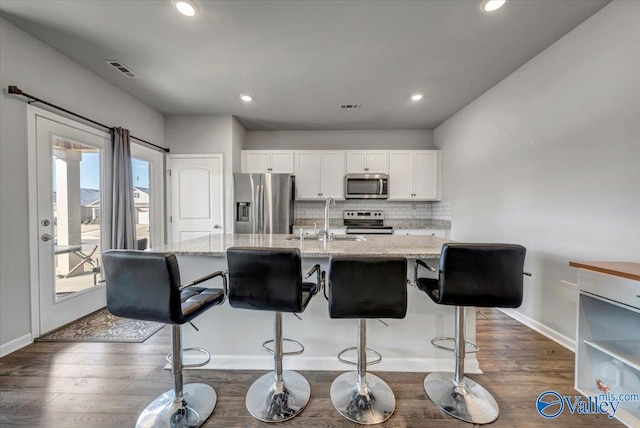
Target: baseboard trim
[
  {"x": 544, "y": 330},
  {"x": 15, "y": 344}
]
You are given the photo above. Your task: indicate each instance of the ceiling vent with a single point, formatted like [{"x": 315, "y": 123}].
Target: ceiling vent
[
  {"x": 118, "y": 65},
  {"x": 349, "y": 106}
]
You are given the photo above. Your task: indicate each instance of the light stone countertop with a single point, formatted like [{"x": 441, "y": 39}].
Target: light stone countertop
[{"x": 423, "y": 246}]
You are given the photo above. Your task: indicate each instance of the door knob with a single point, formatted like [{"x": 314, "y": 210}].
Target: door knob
[
  {"x": 46, "y": 237},
  {"x": 216, "y": 226}
]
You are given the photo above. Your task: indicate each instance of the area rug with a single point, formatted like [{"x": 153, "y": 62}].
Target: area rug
[{"x": 101, "y": 326}]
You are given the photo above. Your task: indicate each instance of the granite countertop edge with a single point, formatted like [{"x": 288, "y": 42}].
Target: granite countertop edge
[{"x": 376, "y": 245}]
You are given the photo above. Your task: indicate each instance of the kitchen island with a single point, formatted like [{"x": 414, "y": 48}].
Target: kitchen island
[{"x": 233, "y": 336}]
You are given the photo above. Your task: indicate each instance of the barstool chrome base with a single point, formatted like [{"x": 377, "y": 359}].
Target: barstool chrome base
[
  {"x": 267, "y": 404},
  {"x": 469, "y": 402},
  {"x": 367, "y": 404},
  {"x": 192, "y": 411}
]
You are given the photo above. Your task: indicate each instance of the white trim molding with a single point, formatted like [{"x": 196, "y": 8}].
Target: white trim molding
[
  {"x": 544, "y": 330},
  {"x": 15, "y": 344}
]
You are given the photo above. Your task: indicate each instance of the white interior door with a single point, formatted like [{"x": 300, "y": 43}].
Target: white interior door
[
  {"x": 66, "y": 171},
  {"x": 196, "y": 193}
]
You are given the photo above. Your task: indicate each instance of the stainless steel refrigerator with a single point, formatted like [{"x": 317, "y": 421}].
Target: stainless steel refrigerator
[{"x": 263, "y": 203}]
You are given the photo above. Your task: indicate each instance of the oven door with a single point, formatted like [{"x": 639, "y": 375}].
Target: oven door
[{"x": 366, "y": 186}]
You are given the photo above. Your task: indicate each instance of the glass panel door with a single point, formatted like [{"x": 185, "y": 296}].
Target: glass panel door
[
  {"x": 147, "y": 166},
  {"x": 142, "y": 201},
  {"x": 76, "y": 215},
  {"x": 67, "y": 234}
]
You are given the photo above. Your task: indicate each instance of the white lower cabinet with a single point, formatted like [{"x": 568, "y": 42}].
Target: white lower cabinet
[
  {"x": 319, "y": 175},
  {"x": 440, "y": 233},
  {"x": 608, "y": 341}
]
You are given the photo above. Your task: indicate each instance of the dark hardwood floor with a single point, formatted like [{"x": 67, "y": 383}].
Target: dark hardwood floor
[{"x": 93, "y": 385}]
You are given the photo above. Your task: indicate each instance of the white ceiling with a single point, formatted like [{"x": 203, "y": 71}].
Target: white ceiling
[{"x": 301, "y": 59}]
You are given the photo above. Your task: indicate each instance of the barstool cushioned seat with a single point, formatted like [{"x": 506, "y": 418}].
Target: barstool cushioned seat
[
  {"x": 270, "y": 279},
  {"x": 365, "y": 287},
  {"x": 360, "y": 287},
  {"x": 146, "y": 286},
  {"x": 480, "y": 275},
  {"x": 267, "y": 279},
  {"x": 484, "y": 275}
]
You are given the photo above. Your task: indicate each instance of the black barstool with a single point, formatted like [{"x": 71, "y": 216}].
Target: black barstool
[
  {"x": 483, "y": 275},
  {"x": 146, "y": 286},
  {"x": 361, "y": 288},
  {"x": 269, "y": 279}
]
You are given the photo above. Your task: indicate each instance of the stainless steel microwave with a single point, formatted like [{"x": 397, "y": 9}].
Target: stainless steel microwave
[{"x": 366, "y": 186}]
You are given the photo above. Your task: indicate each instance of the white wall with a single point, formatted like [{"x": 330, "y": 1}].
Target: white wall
[
  {"x": 208, "y": 135},
  {"x": 550, "y": 158},
  {"x": 238, "y": 140},
  {"x": 338, "y": 140},
  {"x": 37, "y": 69}
]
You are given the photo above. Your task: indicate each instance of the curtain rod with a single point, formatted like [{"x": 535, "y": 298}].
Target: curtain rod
[{"x": 17, "y": 91}]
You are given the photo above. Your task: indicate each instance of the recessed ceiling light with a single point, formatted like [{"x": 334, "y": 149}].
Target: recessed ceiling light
[
  {"x": 416, "y": 97},
  {"x": 492, "y": 5},
  {"x": 246, "y": 98},
  {"x": 186, "y": 7}
]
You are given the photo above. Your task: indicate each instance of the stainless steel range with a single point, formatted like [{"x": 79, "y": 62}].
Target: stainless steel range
[{"x": 365, "y": 223}]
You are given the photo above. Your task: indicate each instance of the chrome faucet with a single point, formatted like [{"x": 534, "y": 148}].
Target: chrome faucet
[{"x": 324, "y": 233}]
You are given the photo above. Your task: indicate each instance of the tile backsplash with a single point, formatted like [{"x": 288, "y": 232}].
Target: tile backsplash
[{"x": 392, "y": 210}]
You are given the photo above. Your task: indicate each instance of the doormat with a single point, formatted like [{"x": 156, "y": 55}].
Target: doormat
[{"x": 101, "y": 326}]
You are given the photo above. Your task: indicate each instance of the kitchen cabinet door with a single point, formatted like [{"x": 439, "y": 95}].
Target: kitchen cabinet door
[
  {"x": 256, "y": 161},
  {"x": 414, "y": 175},
  {"x": 440, "y": 233},
  {"x": 356, "y": 162},
  {"x": 377, "y": 162},
  {"x": 401, "y": 171},
  {"x": 282, "y": 162},
  {"x": 308, "y": 175},
  {"x": 426, "y": 166},
  {"x": 367, "y": 162},
  {"x": 332, "y": 172},
  {"x": 265, "y": 161}
]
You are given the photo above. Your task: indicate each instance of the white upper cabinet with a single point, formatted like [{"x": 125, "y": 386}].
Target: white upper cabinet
[
  {"x": 414, "y": 175},
  {"x": 308, "y": 175},
  {"x": 282, "y": 162},
  {"x": 426, "y": 175},
  {"x": 268, "y": 161},
  {"x": 373, "y": 161},
  {"x": 332, "y": 175},
  {"x": 320, "y": 174}
]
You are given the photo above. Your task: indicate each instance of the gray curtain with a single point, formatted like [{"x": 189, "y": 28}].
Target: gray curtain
[{"x": 120, "y": 190}]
